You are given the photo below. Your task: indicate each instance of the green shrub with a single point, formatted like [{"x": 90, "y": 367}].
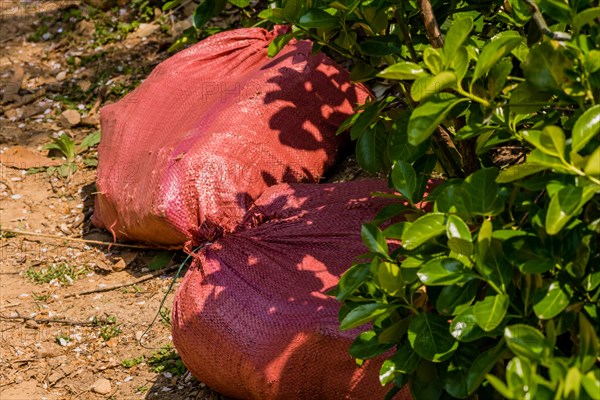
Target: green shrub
[{"x": 494, "y": 291}]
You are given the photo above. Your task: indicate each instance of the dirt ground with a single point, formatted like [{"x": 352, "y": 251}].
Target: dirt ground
[{"x": 60, "y": 61}]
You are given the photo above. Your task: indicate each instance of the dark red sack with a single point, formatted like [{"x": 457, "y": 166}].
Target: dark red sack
[
  {"x": 184, "y": 155},
  {"x": 251, "y": 318}
]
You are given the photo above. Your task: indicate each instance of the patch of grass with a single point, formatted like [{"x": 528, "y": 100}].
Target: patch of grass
[
  {"x": 63, "y": 273},
  {"x": 42, "y": 297},
  {"x": 142, "y": 389},
  {"x": 6, "y": 235},
  {"x": 108, "y": 329},
  {"x": 166, "y": 360},
  {"x": 131, "y": 362},
  {"x": 165, "y": 316}
]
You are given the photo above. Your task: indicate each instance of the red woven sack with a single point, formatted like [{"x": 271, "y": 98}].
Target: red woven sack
[
  {"x": 251, "y": 318},
  {"x": 184, "y": 155}
]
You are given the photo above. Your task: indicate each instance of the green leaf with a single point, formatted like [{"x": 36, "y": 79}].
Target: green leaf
[
  {"x": 390, "y": 279},
  {"x": 369, "y": 149},
  {"x": 396, "y": 230},
  {"x": 240, "y": 3},
  {"x": 592, "y": 166},
  {"x": 366, "y": 346},
  {"x": 527, "y": 99},
  {"x": 545, "y": 66},
  {"x": 404, "y": 179},
  {"x": 404, "y": 361},
  {"x": 403, "y": 71},
  {"x": 464, "y": 328},
  {"x": 481, "y": 190},
  {"x": 206, "y": 10},
  {"x": 540, "y": 159},
  {"x": 272, "y": 14},
  {"x": 527, "y": 342},
  {"x": 430, "y": 85},
  {"x": 457, "y": 35},
  {"x": 423, "y": 229},
  {"x": 352, "y": 279},
  {"x": 433, "y": 60},
  {"x": 444, "y": 271},
  {"x": 279, "y": 43},
  {"x": 429, "y": 115},
  {"x": 161, "y": 260},
  {"x": 363, "y": 314},
  {"x": 498, "y": 47},
  {"x": 459, "y": 236},
  {"x": 528, "y": 253},
  {"x": 563, "y": 206},
  {"x": 317, "y": 18},
  {"x": 379, "y": 46},
  {"x": 591, "y": 382},
  {"x": 429, "y": 337},
  {"x": 90, "y": 140},
  {"x": 454, "y": 299},
  {"x": 452, "y": 199},
  {"x": 460, "y": 64},
  {"x": 586, "y": 128},
  {"x": 481, "y": 366},
  {"x": 490, "y": 312},
  {"x": 398, "y": 147},
  {"x": 589, "y": 348},
  {"x": 518, "y": 172},
  {"x": 500, "y": 386},
  {"x": 362, "y": 121},
  {"x": 520, "y": 12},
  {"x": 557, "y": 9},
  {"x": 550, "y": 300},
  {"x": 552, "y": 141},
  {"x": 374, "y": 239},
  {"x": 497, "y": 76},
  {"x": 585, "y": 17}
]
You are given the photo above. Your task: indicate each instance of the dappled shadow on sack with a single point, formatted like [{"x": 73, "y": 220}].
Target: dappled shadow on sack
[
  {"x": 183, "y": 157},
  {"x": 252, "y": 319}
]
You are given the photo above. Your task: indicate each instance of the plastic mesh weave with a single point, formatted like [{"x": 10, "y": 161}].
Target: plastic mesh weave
[
  {"x": 184, "y": 155},
  {"x": 251, "y": 318}
]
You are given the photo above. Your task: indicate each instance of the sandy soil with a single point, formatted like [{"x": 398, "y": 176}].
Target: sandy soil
[{"x": 58, "y": 56}]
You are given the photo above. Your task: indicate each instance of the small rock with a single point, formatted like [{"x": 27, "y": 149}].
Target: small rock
[
  {"x": 31, "y": 324},
  {"x": 61, "y": 76},
  {"x": 65, "y": 229},
  {"x": 120, "y": 265},
  {"x": 71, "y": 117},
  {"x": 91, "y": 120},
  {"x": 101, "y": 386}
]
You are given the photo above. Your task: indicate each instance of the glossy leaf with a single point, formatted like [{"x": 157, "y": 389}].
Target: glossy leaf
[
  {"x": 498, "y": 47},
  {"x": 279, "y": 43},
  {"x": 454, "y": 299},
  {"x": 404, "y": 361},
  {"x": 552, "y": 141},
  {"x": 481, "y": 190},
  {"x": 550, "y": 300},
  {"x": 351, "y": 280},
  {"x": 562, "y": 208},
  {"x": 444, "y": 271},
  {"x": 373, "y": 237},
  {"x": 317, "y": 18},
  {"x": 403, "y": 71},
  {"x": 586, "y": 127},
  {"x": 464, "y": 328},
  {"x": 366, "y": 345},
  {"x": 390, "y": 278},
  {"x": 459, "y": 236},
  {"x": 457, "y": 35},
  {"x": 589, "y": 347},
  {"x": 369, "y": 148},
  {"x": 404, "y": 179},
  {"x": 490, "y": 312},
  {"x": 206, "y": 10},
  {"x": 423, "y": 229},
  {"x": 429, "y": 337},
  {"x": 481, "y": 366},
  {"x": 545, "y": 66},
  {"x": 429, "y": 85},
  {"x": 380, "y": 46},
  {"x": 527, "y": 342},
  {"x": 362, "y": 314},
  {"x": 429, "y": 115},
  {"x": 433, "y": 59}
]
